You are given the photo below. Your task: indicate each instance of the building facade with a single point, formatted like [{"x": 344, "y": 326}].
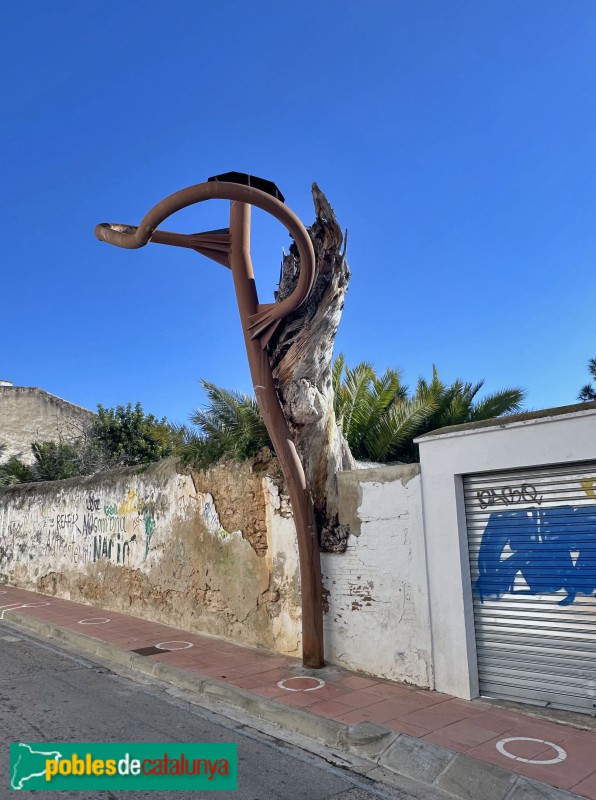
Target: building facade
[{"x": 29, "y": 414}]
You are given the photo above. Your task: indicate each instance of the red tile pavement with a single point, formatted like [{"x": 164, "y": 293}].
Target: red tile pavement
[
  {"x": 464, "y": 733},
  {"x": 356, "y": 682},
  {"x": 443, "y": 741},
  {"x": 330, "y": 691},
  {"x": 269, "y": 691},
  {"x": 437, "y": 716},
  {"x": 330, "y": 708},
  {"x": 579, "y": 764},
  {"x": 587, "y": 788},
  {"x": 474, "y": 728},
  {"x": 388, "y": 690},
  {"x": 499, "y": 720},
  {"x": 399, "y": 726}
]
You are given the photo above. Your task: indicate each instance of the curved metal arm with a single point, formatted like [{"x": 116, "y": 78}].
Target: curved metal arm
[
  {"x": 268, "y": 316},
  {"x": 258, "y": 322}
]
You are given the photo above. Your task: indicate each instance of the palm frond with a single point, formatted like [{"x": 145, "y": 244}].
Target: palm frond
[
  {"x": 376, "y": 414},
  {"x": 390, "y": 438},
  {"x": 337, "y": 369},
  {"x": 506, "y": 401},
  {"x": 231, "y": 424},
  {"x": 351, "y": 398},
  {"x": 588, "y": 392},
  {"x": 384, "y": 420}
]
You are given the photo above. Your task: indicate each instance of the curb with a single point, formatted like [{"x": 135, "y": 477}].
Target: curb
[{"x": 392, "y": 755}]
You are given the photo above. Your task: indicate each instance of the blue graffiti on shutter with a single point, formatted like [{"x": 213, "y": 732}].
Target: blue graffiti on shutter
[{"x": 542, "y": 542}]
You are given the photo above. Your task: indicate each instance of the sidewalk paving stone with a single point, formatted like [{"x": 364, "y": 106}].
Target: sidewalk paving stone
[{"x": 428, "y": 735}]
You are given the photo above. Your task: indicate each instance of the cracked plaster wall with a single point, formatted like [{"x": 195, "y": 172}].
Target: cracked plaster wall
[
  {"x": 377, "y": 617},
  {"x": 216, "y": 552},
  {"x": 153, "y": 543}
]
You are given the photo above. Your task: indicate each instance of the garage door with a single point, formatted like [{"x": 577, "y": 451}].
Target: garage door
[{"x": 532, "y": 546}]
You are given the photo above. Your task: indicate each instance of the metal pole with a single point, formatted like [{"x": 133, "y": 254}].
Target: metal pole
[
  {"x": 258, "y": 324},
  {"x": 262, "y": 378}
]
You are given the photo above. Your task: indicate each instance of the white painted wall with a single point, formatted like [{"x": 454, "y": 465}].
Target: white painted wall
[
  {"x": 284, "y": 568},
  {"x": 535, "y": 440},
  {"x": 378, "y": 616}
]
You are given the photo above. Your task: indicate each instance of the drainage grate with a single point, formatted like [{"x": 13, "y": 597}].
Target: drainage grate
[{"x": 150, "y": 651}]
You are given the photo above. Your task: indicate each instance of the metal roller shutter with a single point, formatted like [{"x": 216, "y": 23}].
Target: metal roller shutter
[{"x": 532, "y": 546}]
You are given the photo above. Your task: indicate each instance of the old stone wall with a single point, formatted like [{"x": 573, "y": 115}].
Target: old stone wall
[
  {"x": 152, "y": 543},
  {"x": 216, "y": 552},
  {"x": 28, "y": 414}
]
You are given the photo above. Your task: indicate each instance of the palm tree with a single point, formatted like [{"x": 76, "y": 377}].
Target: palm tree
[
  {"x": 375, "y": 413},
  {"x": 380, "y": 419},
  {"x": 231, "y": 424},
  {"x": 588, "y": 392}
]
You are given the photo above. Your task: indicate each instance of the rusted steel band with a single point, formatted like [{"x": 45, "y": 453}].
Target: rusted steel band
[
  {"x": 232, "y": 247},
  {"x": 132, "y": 238}
]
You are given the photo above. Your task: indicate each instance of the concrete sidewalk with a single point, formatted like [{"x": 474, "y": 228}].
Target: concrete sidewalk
[{"x": 470, "y": 750}]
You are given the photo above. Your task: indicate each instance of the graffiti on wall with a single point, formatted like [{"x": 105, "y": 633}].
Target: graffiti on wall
[
  {"x": 97, "y": 528},
  {"x": 552, "y": 549},
  {"x": 509, "y": 495}
]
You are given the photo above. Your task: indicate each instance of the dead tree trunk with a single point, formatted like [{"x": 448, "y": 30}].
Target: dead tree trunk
[{"x": 301, "y": 354}]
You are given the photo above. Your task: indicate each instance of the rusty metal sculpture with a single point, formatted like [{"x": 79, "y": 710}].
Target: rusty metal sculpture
[{"x": 231, "y": 247}]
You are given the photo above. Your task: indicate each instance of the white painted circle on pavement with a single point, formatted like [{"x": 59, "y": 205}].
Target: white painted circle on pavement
[
  {"x": 167, "y": 645},
  {"x": 561, "y": 754},
  {"x": 320, "y": 684},
  {"x": 94, "y": 621}
]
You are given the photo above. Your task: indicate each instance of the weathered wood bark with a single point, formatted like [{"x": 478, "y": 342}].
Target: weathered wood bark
[{"x": 301, "y": 354}]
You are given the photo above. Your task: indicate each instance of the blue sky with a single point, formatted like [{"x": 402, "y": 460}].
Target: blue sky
[{"x": 455, "y": 140}]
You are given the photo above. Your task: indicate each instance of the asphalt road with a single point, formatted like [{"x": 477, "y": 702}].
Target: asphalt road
[{"x": 47, "y": 694}]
